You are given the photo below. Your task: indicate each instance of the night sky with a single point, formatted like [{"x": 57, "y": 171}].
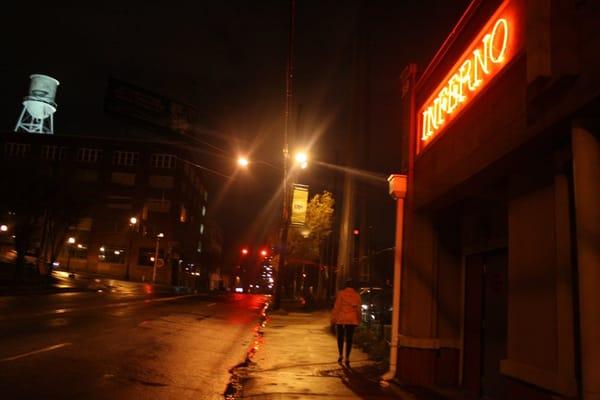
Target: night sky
[{"x": 227, "y": 59}]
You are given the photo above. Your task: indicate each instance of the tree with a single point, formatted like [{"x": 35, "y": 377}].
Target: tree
[
  {"x": 45, "y": 201},
  {"x": 306, "y": 243}
]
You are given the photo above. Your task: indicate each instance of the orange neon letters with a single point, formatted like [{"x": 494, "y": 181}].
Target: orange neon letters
[{"x": 466, "y": 80}]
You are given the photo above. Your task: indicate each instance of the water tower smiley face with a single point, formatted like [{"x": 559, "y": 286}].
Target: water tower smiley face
[
  {"x": 40, "y": 101},
  {"x": 44, "y": 87}
]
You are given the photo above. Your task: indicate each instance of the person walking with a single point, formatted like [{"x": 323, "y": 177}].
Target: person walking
[{"x": 346, "y": 317}]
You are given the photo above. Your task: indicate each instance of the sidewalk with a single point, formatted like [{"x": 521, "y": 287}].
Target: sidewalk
[{"x": 297, "y": 359}]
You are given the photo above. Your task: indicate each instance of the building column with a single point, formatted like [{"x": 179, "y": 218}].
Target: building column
[{"x": 586, "y": 178}]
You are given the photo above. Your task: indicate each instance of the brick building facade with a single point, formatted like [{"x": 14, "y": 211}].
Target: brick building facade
[{"x": 104, "y": 183}]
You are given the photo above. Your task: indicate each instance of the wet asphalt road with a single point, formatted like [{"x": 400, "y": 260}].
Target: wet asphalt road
[{"x": 110, "y": 345}]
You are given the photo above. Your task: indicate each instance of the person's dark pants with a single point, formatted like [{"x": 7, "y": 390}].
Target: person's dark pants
[{"x": 347, "y": 332}]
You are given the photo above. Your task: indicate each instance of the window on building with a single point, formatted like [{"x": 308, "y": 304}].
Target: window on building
[
  {"x": 199, "y": 248},
  {"x": 86, "y": 175},
  {"x": 89, "y": 155},
  {"x": 80, "y": 250},
  {"x": 17, "y": 150},
  {"x": 85, "y": 224},
  {"x": 203, "y": 211},
  {"x": 161, "y": 181},
  {"x": 163, "y": 161},
  {"x": 158, "y": 205},
  {"x": 53, "y": 153},
  {"x": 119, "y": 202},
  {"x": 125, "y": 158},
  {"x": 112, "y": 254},
  {"x": 123, "y": 178},
  {"x": 202, "y": 229},
  {"x": 205, "y": 195}
]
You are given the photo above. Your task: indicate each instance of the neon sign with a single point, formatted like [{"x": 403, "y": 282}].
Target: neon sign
[{"x": 477, "y": 66}]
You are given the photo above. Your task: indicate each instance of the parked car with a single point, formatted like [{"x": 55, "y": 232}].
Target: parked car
[{"x": 376, "y": 305}]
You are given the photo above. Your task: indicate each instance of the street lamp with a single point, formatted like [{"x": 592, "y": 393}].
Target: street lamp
[
  {"x": 243, "y": 162},
  {"x": 70, "y": 242},
  {"x": 3, "y": 228},
  {"x": 397, "y": 189},
  {"x": 302, "y": 159},
  {"x": 158, "y": 237},
  {"x": 132, "y": 223}
]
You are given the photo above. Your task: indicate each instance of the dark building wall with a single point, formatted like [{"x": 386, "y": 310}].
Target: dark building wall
[
  {"x": 165, "y": 195},
  {"x": 499, "y": 178}
]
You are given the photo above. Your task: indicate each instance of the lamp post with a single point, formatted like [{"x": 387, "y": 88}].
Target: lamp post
[
  {"x": 70, "y": 243},
  {"x": 158, "y": 237},
  {"x": 132, "y": 223},
  {"x": 397, "y": 189},
  {"x": 285, "y": 215}
]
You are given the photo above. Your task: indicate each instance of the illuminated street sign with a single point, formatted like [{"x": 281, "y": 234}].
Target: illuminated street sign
[{"x": 484, "y": 58}]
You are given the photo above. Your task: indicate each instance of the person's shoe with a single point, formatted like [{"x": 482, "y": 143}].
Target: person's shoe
[
  {"x": 347, "y": 363},
  {"x": 339, "y": 359}
]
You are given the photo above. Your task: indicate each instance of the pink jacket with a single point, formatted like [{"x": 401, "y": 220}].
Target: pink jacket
[{"x": 346, "y": 310}]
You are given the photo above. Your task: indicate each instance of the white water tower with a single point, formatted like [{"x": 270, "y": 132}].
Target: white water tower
[{"x": 39, "y": 106}]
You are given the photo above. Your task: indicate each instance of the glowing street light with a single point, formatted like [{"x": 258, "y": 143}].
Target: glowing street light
[
  {"x": 302, "y": 159},
  {"x": 245, "y": 251},
  {"x": 132, "y": 220},
  {"x": 3, "y": 228},
  {"x": 243, "y": 162},
  {"x": 71, "y": 240},
  {"x": 263, "y": 253}
]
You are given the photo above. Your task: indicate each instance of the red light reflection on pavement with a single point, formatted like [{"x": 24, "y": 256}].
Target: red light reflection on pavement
[{"x": 148, "y": 288}]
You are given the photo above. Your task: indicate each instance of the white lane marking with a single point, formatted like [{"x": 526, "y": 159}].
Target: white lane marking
[
  {"x": 45, "y": 349},
  {"x": 211, "y": 304}
]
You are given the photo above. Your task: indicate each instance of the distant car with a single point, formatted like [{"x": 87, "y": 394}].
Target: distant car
[{"x": 376, "y": 305}]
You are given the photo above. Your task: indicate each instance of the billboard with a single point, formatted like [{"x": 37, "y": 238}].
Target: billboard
[{"x": 131, "y": 101}]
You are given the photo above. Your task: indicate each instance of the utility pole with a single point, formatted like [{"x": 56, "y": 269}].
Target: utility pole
[
  {"x": 132, "y": 223},
  {"x": 158, "y": 237},
  {"x": 285, "y": 214}
]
